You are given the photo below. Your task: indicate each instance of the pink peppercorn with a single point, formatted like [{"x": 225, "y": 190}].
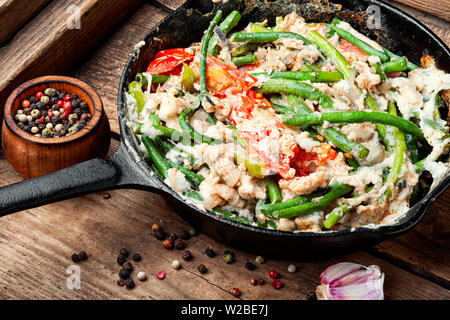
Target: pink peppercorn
[
  {"x": 39, "y": 95},
  {"x": 161, "y": 275},
  {"x": 67, "y": 97},
  {"x": 277, "y": 284},
  {"x": 273, "y": 274},
  {"x": 67, "y": 106},
  {"x": 60, "y": 103},
  {"x": 65, "y": 115},
  {"x": 25, "y": 104}
]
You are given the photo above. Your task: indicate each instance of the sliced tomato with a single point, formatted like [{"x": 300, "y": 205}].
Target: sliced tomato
[
  {"x": 346, "y": 46},
  {"x": 394, "y": 75},
  {"x": 170, "y": 61}
]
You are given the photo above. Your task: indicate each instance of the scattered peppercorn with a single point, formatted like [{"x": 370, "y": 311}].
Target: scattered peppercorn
[
  {"x": 176, "y": 264},
  {"x": 75, "y": 258},
  {"x": 253, "y": 281},
  {"x": 161, "y": 275},
  {"x": 187, "y": 255},
  {"x": 124, "y": 273},
  {"x": 127, "y": 265},
  {"x": 292, "y": 268},
  {"x": 178, "y": 244},
  {"x": 261, "y": 282},
  {"x": 202, "y": 268},
  {"x": 83, "y": 256},
  {"x": 250, "y": 266},
  {"x": 273, "y": 274},
  {"x": 228, "y": 258},
  {"x": 210, "y": 253},
  {"x": 106, "y": 195},
  {"x": 235, "y": 292},
  {"x": 167, "y": 244},
  {"x": 155, "y": 227},
  {"x": 311, "y": 296},
  {"x": 121, "y": 259},
  {"x": 120, "y": 282},
  {"x": 136, "y": 257},
  {"x": 124, "y": 252},
  {"x": 129, "y": 283},
  {"x": 193, "y": 232},
  {"x": 141, "y": 276},
  {"x": 228, "y": 252},
  {"x": 172, "y": 237},
  {"x": 184, "y": 234},
  {"x": 259, "y": 260},
  {"x": 160, "y": 234},
  {"x": 277, "y": 284}
]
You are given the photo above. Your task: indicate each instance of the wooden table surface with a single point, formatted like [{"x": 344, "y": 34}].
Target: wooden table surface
[{"x": 36, "y": 245}]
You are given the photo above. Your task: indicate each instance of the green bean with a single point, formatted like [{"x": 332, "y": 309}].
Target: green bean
[
  {"x": 313, "y": 76},
  {"x": 210, "y": 117},
  {"x": 380, "y": 71},
  {"x": 269, "y": 209},
  {"x": 236, "y": 136},
  {"x": 337, "y": 190},
  {"x": 355, "y": 117},
  {"x": 135, "y": 90},
  {"x": 204, "y": 53},
  {"x": 156, "y": 78},
  {"x": 156, "y": 157},
  {"x": 241, "y": 61},
  {"x": 410, "y": 66},
  {"x": 336, "y": 215},
  {"x": 245, "y": 48},
  {"x": 154, "y": 119},
  {"x": 360, "y": 43},
  {"x": 273, "y": 190},
  {"x": 164, "y": 144},
  {"x": 298, "y": 88},
  {"x": 266, "y": 37},
  {"x": 331, "y": 53},
  {"x": 411, "y": 143},
  {"x": 232, "y": 217},
  {"x": 396, "y": 65},
  {"x": 399, "y": 156},
  {"x": 255, "y": 27},
  {"x": 352, "y": 162},
  {"x": 226, "y": 26},
  {"x": 298, "y": 104},
  {"x": 282, "y": 109},
  {"x": 191, "y": 132},
  {"x": 192, "y": 177},
  {"x": 194, "y": 195},
  {"x": 310, "y": 67},
  {"x": 170, "y": 133}
]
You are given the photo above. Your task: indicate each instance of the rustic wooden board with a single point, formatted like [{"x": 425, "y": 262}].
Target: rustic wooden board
[
  {"x": 36, "y": 245},
  {"x": 47, "y": 45},
  {"x": 15, "y": 14},
  {"x": 439, "y": 8}
]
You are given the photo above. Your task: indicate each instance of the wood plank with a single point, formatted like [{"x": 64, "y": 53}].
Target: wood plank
[
  {"x": 15, "y": 14},
  {"x": 172, "y": 4},
  {"x": 35, "y": 247},
  {"x": 439, "y": 9},
  {"x": 49, "y": 45},
  {"x": 103, "y": 72}
]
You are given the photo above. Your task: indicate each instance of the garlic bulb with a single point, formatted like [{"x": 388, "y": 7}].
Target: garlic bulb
[{"x": 351, "y": 281}]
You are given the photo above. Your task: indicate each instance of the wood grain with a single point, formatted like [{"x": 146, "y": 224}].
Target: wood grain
[
  {"x": 104, "y": 69},
  {"x": 48, "y": 44},
  {"x": 34, "y": 263},
  {"x": 171, "y": 4},
  {"x": 439, "y": 8},
  {"x": 15, "y": 14}
]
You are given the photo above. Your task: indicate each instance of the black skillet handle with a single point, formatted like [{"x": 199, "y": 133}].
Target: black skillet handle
[{"x": 94, "y": 175}]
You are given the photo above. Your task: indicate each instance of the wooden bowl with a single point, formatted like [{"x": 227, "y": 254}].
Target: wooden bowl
[{"x": 35, "y": 156}]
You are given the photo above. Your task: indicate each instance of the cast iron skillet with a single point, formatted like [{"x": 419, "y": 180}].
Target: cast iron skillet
[{"x": 127, "y": 168}]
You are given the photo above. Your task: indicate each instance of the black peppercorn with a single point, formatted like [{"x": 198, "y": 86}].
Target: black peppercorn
[
  {"x": 124, "y": 252},
  {"x": 311, "y": 296},
  {"x": 120, "y": 283},
  {"x": 250, "y": 266},
  {"x": 172, "y": 237},
  {"x": 210, "y": 253},
  {"x": 187, "y": 256},
  {"x": 127, "y": 265},
  {"x": 121, "y": 259},
  {"x": 402, "y": 184},
  {"x": 129, "y": 284},
  {"x": 124, "y": 273},
  {"x": 82, "y": 255},
  {"x": 178, "y": 244},
  {"x": 184, "y": 234},
  {"x": 261, "y": 282},
  {"x": 136, "y": 257},
  {"x": 33, "y": 99},
  {"x": 75, "y": 258},
  {"x": 160, "y": 234},
  {"x": 202, "y": 268}
]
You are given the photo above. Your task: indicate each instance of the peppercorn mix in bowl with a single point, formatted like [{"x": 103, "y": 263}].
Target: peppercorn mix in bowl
[
  {"x": 39, "y": 136},
  {"x": 296, "y": 127}
]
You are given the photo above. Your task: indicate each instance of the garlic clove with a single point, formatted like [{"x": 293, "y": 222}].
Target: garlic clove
[{"x": 337, "y": 271}]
